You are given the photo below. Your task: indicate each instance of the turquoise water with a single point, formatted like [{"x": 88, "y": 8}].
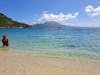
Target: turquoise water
[{"x": 71, "y": 43}]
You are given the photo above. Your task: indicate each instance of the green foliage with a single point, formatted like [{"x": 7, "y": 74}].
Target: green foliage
[{"x": 6, "y": 22}]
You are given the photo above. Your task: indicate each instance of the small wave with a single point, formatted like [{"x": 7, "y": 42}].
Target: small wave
[{"x": 60, "y": 38}]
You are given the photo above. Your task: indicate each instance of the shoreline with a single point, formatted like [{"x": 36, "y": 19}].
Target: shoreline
[
  {"x": 72, "y": 56},
  {"x": 15, "y": 63}
]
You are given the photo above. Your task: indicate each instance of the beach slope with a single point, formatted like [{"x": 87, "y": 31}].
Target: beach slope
[{"x": 12, "y": 63}]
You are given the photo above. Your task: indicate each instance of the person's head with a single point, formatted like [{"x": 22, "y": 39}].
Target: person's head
[{"x": 4, "y": 36}]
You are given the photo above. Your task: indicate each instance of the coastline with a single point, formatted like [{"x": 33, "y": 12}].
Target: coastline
[
  {"x": 17, "y": 63},
  {"x": 69, "y": 55}
]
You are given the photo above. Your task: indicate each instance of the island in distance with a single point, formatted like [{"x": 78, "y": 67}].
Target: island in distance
[
  {"x": 6, "y": 22},
  {"x": 56, "y": 25}
]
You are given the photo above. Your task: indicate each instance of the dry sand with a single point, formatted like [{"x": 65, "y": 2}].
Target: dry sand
[{"x": 12, "y": 63}]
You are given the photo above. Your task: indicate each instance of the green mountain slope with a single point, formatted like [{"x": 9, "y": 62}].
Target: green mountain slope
[{"x": 6, "y": 22}]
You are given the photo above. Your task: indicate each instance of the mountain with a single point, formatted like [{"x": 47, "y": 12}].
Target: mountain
[
  {"x": 56, "y": 25},
  {"x": 52, "y": 25},
  {"x": 49, "y": 25},
  {"x": 6, "y": 22}
]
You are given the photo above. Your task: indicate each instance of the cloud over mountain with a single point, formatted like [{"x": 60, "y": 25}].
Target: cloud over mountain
[{"x": 61, "y": 17}]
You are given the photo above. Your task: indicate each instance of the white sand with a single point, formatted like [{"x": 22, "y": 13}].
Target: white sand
[{"x": 27, "y": 64}]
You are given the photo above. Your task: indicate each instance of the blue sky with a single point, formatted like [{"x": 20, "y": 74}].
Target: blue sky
[{"x": 69, "y": 12}]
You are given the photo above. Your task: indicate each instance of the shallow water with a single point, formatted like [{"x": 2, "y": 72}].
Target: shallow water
[{"x": 80, "y": 43}]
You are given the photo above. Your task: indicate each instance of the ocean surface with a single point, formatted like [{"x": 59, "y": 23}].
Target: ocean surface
[{"x": 69, "y": 43}]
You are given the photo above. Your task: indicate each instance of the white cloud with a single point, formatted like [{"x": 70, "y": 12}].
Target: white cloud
[
  {"x": 92, "y": 11},
  {"x": 57, "y": 17}
]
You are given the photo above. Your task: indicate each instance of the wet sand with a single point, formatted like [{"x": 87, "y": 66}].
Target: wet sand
[{"x": 13, "y": 63}]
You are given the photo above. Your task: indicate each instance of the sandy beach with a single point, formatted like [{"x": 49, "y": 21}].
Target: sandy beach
[{"x": 12, "y": 63}]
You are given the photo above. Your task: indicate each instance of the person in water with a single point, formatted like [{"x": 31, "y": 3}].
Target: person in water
[{"x": 5, "y": 41}]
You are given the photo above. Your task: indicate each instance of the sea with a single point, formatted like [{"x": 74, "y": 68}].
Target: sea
[{"x": 64, "y": 43}]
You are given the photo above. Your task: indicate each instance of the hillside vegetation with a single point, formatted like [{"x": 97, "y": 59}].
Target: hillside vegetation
[{"x": 6, "y": 22}]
